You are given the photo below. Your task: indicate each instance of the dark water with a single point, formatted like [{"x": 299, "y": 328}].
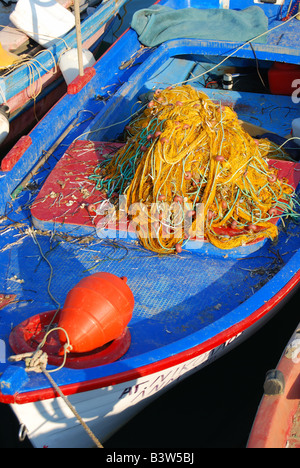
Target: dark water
[{"x": 214, "y": 408}]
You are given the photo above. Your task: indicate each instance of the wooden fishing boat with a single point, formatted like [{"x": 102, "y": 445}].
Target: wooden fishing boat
[
  {"x": 277, "y": 421},
  {"x": 61, "y": 234},
  {"x": 32, "y": 81}
]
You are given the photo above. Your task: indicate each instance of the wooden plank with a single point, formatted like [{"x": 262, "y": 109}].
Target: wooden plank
[{"x": 11, "y": 39}]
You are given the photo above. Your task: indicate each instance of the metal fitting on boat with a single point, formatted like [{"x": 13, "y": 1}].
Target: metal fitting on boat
[
  {"x": 274, "y": 382},
  {"x": 227, "y": 81},
  {"x": 23, "y": 431}
]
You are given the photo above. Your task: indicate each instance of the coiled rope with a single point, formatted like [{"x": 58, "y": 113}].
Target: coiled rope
[{"x": 35, "y": 68}]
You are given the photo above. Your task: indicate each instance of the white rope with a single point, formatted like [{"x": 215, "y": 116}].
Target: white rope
[
  {"x": 37, "y": 362},
  {"x": 291, "y": 138},
  {"x": 71, "y": 407},
  {"x": 34, "y": 66}
]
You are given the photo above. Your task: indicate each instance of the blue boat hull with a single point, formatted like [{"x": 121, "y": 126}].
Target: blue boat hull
[{"x": 189, "y": 308}]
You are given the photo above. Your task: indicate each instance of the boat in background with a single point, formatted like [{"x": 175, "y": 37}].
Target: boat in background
[
  {"x": 277, "y": 422},
  {"x": 32, "y": 81},
  {"x": 191, "y": 307}
]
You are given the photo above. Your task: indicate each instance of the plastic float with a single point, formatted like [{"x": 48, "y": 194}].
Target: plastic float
[{"x": 94, "y": 318}]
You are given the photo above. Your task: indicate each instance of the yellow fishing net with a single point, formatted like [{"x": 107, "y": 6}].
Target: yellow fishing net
[{"x": 188, "y": 168}]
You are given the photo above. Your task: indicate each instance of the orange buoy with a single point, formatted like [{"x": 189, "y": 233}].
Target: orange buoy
[{"x": 96, "y": 311}]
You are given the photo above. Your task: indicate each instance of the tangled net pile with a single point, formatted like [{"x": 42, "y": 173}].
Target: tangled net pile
[{"x": 184, "y": 152}]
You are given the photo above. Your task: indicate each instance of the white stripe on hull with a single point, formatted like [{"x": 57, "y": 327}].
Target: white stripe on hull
[{"x": 50, "y": 423}]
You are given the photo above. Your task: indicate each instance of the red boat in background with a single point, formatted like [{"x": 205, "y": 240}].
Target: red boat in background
[{"x": 277, "y": 422}]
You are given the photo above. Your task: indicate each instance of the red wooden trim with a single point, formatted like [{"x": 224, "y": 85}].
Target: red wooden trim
[
  {"x": 80, "y": 81},
  {"x": 15, "y": 153}
]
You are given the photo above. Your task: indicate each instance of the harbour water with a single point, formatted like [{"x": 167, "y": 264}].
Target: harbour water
[{"x": 214, "y": 408}]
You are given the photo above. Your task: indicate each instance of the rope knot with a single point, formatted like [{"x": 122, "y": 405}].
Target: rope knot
[
  {"x": 34, "y": 362},
  {"x": 37, "y": 363},
  {"x": 37, "y": 360}
]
